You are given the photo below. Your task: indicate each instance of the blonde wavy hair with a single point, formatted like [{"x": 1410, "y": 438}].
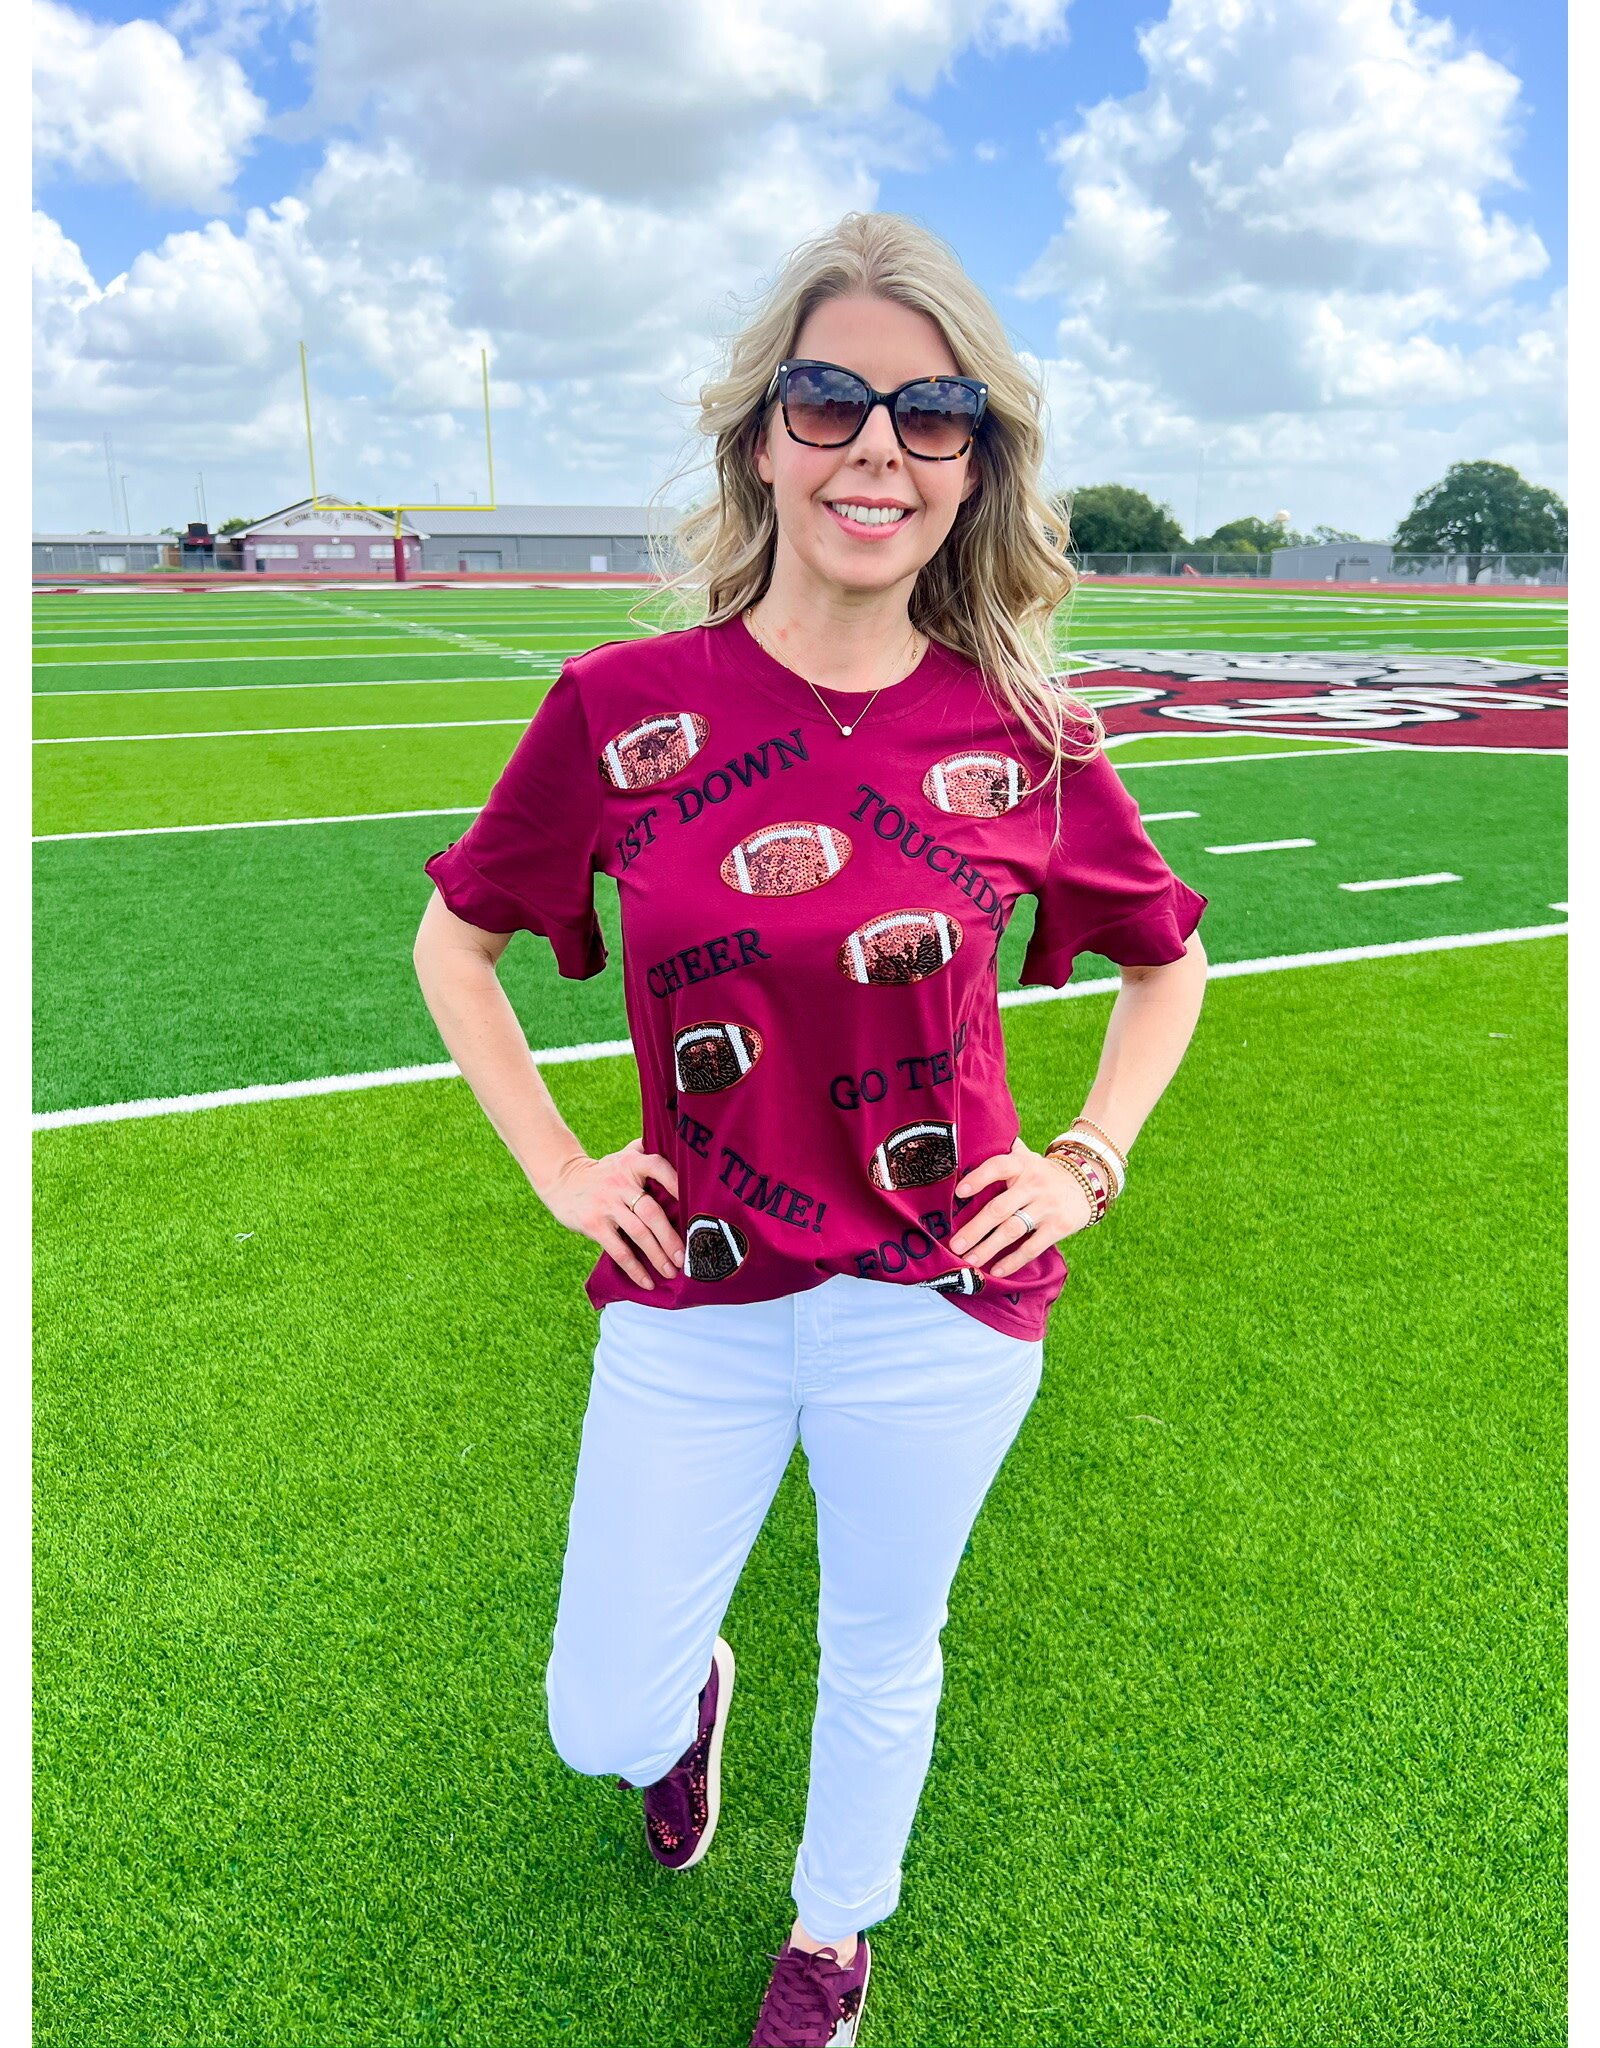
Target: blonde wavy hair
[{"x": 1001, "y": 573}]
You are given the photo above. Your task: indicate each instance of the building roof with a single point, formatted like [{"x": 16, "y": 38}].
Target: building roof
[
  {"x": 550, "y": 521},
  {"x": 325, "y": 503},
  {"x": 105, "y": 540},
  {"x": 1334, "y": 547}
]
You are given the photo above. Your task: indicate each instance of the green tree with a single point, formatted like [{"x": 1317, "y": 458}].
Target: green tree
[
  {"x": 1262, "y": 536},
  {"x": 1115, "y": 519},
  {"x": 1241, "y": 537},
  {"x": 1484, "y": 508},
  {"x": 235, "y": 526}
]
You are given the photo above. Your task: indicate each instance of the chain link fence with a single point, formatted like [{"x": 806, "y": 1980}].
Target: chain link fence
[
  {"x": 1461, "y": 569},
  {"x": 1477, "y": 569},
  {"x": 1176, "y": 565}
]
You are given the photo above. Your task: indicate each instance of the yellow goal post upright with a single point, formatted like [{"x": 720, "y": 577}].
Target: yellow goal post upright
[{"x": 394, "y": 505}]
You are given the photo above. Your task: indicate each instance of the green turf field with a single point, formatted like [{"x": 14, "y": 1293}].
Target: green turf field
[{"x": 1253, "y": 1728}]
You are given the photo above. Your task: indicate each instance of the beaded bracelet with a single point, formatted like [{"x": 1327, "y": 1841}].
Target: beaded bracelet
[
  {"x": 1094, "y": 1188},
  {"x": 1091, "y": 1148},
  {"x": 1120, "y": 1156},
  {"x": 1080, "y": 1173},
  {"x": 1091, "y": 1162}
]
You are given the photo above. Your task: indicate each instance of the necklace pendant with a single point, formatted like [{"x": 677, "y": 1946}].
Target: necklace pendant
[{"x": 847, "y": 730}]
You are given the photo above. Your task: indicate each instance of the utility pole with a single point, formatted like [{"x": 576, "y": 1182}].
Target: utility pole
[
  {"x": 111, "y": 479},
  {"x": 127, "y": 523},
  {"x": 200, "y": 480}
]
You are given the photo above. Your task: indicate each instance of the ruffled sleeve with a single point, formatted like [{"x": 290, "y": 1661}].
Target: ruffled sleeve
[
  {"x": 1106, "y": 888},
  {"x": 527, "y": 861}
]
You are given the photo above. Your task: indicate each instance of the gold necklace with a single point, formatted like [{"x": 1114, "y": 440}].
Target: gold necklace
[{"x": 846, "y": 730}]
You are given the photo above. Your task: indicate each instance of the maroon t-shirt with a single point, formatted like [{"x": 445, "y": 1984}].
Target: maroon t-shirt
[{"x": 810, "y": 929}]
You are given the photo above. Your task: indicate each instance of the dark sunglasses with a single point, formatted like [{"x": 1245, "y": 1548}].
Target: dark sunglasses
[{"x": 934, "y": 418}]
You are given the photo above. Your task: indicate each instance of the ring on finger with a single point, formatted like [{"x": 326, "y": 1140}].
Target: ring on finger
[{"x": 1027, "y": 1222}]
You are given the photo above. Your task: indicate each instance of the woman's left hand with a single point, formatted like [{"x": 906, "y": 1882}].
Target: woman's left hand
[{"x": 1054, "y": 1199}]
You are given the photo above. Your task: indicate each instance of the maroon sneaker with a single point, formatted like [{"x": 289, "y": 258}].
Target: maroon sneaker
[
  {"x": 814, "y": 2001},
  {"x": 680, "y": 1810}
]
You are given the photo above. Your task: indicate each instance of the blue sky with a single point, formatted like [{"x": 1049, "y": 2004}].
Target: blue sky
[{"x": 1361, "y": 281}]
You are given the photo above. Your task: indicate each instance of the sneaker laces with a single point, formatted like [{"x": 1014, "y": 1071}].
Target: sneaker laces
[{"x": 803, "y": 1996}]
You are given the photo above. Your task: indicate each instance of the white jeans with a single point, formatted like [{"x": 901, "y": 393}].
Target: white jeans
[{"x": 906, "y": 1406}]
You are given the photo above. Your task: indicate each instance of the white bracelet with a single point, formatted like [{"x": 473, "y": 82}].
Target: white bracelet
[{"x": 1101, "y": 1151}]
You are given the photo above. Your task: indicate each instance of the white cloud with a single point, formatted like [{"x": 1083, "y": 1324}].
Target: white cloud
[
  {"x": 1285, "y": 248},
  {"x": 1297, "y": 247},
  {"x": 587, "y": 190},
  {"x": 125, "y": 102},
  {"x": 59, "y": 270},
  {"x": 232, "y": 25},
  {"x": 643, "y": 97}
]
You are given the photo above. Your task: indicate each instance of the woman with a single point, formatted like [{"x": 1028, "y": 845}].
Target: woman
[{"x": 820, "y": 805}]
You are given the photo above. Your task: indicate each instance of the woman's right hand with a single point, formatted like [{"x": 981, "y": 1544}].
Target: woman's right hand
[{"x": 593, "y": 1196}]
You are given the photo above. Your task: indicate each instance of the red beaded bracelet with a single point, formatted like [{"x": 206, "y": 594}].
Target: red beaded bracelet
[{"x": 1089, "y": 1173}]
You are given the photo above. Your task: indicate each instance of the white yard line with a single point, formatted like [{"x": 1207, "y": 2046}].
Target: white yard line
[
  {"x": 469, "y": 641},
  {"x": 233, "y": 660},
  {"x": 1403, "y": 882},
  {"x": 621, "y": 1048},
  {"x": 1310, "y": 639},
  {"x": 1103, "y": 598},
  {"x": 257, "y": 636},
  {"x": 1156, "y": 817},
  {"x": 1320, "y": 753},
  {"x": 257, "y": 732},
  {"x": 331, "y": 1084},
  {"x": 254, "y": 824},
  {"x": 358, "y": 817},
  {"x": 46, "y": 640},
  {"x": 220, "y": 689},
  {"x": 289, "y": 620},
  {"x": 1260, "y": 845}
]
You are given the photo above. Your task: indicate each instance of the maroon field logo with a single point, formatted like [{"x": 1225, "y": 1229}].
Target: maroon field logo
[{"x": 1411, "y": 700}]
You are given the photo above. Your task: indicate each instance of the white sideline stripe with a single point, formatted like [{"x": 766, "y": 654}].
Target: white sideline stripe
[
  {"x": 253, "y": 824},
  {"x": 1404, "y": 882},
  {"x": 1334, "y": 956},
  {"x": 209, "y": 642},
  {"x": 1392, "y": 600},
  {"x": 1158, "y": 817},
  {"x": 1317, "y": 750},
  {"x": 332, "y": 1084},
  {"x": 1351, "y": 640},
  {"x": 259, "y": 732},
  {"x": 234, "y": 660},
  {"x": 284, "y": 640},
  {"x": 221, "y": 689},
  {"x": 160, "y": 632},
  {"x": 48, "y": 633},
  {"x": 1260, "y": 845},
  {"x": 1558, "y": 906},
  {"x": 332, "y": 628},
  {"x": 619, "y": 1048},
  {"x": 1362, "y": 596},
  {"x": 1310, "y": 753}
]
